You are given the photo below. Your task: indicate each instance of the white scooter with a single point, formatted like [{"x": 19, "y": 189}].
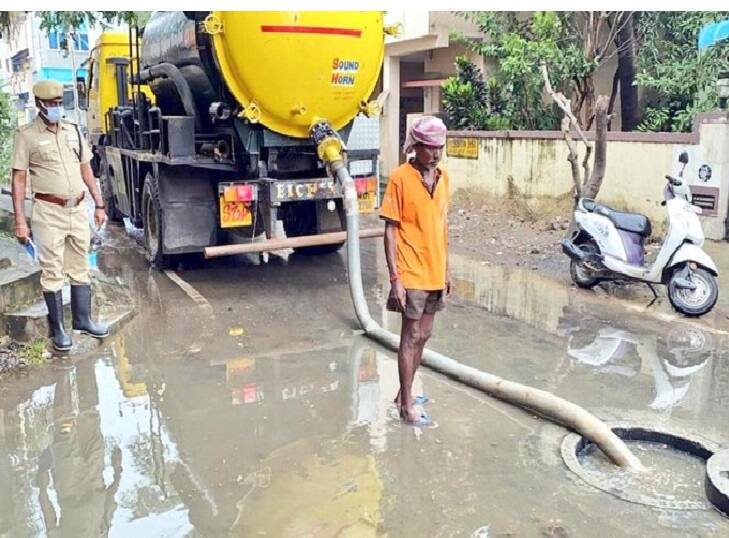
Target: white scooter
[{"x": 605, "y": 244}]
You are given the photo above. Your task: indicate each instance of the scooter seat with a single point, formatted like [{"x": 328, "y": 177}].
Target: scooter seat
[{"x": 629, "y": 222}]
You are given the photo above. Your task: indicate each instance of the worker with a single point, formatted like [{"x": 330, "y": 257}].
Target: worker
[
  {"x": 55, "y": 157},
  {"x": 415, "y": 210}
]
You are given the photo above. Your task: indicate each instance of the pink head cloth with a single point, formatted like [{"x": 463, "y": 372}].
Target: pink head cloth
[{"x": 427, "y": 130}]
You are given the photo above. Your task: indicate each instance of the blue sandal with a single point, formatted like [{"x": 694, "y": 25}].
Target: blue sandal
[
  {"x": 421, "y": 399},
  {"x": 423, "y": 421}
]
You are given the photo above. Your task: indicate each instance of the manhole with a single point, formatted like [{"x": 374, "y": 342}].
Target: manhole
[{"x": 685, "y": 484}]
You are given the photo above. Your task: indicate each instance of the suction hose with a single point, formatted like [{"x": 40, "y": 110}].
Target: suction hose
[{"x": 542, "y": 402}]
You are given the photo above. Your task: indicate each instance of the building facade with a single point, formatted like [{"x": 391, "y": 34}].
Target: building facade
[
  {"x": 29, "y": 54},
  {"x": 418, "y": 62}
]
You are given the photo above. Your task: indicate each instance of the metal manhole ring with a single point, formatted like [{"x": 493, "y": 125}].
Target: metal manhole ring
[
  {"x": 717, "y": 480},
  {"x": 573, "y": 444}
]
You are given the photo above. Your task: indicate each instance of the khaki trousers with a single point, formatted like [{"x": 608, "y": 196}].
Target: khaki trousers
[{"x": 62, "y": 237}]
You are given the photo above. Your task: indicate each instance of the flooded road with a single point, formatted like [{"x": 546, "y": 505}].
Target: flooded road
[{"x": 241, "y": 402}]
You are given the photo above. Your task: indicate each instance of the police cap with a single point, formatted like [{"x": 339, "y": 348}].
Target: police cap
[{"x": 48, "y": 89}]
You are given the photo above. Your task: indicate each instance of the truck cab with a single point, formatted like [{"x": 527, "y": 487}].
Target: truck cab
[{"x": 106, "y": 85}]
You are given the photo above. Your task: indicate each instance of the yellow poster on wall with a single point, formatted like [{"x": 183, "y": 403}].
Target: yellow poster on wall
[{"x": 462, "y": 148}]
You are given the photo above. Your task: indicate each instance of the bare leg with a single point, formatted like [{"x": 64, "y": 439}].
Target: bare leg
[
  {"x": 426, "y": 328},
  {"x": 409, "y": 343}
]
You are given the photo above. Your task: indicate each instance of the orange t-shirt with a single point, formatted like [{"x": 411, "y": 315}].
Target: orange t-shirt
[{"x": 422, "y": 232}]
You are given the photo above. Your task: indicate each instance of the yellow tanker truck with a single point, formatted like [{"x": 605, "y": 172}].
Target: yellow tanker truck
[{"x": 203, "y": 138}]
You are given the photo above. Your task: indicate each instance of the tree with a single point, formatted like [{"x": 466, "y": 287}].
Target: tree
[
  {"x": 588, "y": 182},
  {"x": 575, "y": 45},
  {"x": 66, "y": 20},
  {"x": 625, "y": 43},
  {"x": 470, "y": 103},
  {"x": 680, "y": 81}
]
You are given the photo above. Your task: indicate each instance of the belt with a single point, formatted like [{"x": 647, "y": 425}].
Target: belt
[{"x": 63, "y": 202}]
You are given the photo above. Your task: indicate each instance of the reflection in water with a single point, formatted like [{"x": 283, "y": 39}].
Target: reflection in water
[
  {"x": 85, "y": 458},
  {"x": 603, "y": 335},
  {"x": 122, "y": 447},
  {"x": 673, "y": 361},
  {"x": 150, "y": 439},
  {"x": 517, "y": 293}
]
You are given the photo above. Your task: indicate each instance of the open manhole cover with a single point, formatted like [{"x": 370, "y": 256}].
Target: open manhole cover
[{"x": 676, "y": 476}]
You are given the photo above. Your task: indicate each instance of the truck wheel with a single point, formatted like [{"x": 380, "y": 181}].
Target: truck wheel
[
  {"x": 153, "y": 224},
  {"x": 302, "y": 221},
  {"x": 107, "y": 193},
  {"x": 696, "y": 302}
]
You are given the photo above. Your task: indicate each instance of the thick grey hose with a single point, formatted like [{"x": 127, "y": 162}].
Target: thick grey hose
[
  {"x": 173, "y": 73},
  {"x": 542, "y": 402}
]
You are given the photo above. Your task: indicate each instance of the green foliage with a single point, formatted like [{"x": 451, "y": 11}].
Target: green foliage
[
  {"x": 654, "y": 119},
  {"x": 33, "y": 353},
  {"x": 518, "y": 47},
  {"x": 681, "y": 82},
  {"x": 469, "y": 102},
  {"x": 65, "y": 20},
  {"x": 7, "y": 127}
]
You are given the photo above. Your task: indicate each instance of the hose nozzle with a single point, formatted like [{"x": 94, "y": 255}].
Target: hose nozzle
[{"x": 329, "y": 145}]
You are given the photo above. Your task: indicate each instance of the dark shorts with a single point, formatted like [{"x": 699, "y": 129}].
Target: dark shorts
[{"x": 419, "y": 302}]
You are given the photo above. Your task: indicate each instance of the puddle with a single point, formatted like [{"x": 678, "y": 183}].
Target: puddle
[
  {"x": 288, "y": 429},
  {"x": 543, "y": 333},
  {"x": 671, "y": 476},
  {"x": 539, "y": 300}
]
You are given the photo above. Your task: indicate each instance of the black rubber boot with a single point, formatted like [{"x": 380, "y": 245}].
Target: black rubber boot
[
  {"x": 61, "y": 339},
  {"x": 81, "y": 309}
]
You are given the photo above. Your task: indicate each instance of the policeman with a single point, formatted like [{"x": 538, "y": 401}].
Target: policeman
[{"x": 55, "y": 157}]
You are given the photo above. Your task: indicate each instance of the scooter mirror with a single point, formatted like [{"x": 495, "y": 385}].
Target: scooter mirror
[{"x": 683, "y": 158}]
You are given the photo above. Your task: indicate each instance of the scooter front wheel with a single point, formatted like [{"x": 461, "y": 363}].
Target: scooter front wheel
[
  {"x": 693, "y": 302},
  {"x": 581, "y": 273}
]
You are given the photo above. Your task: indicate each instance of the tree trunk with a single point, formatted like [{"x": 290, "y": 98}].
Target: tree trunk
[
  {"x": 588, "y": 106},
  {"x": 592, "y": 185},
  {"x": 613, "y": 96},
  {"x": 625, "y": 43}
]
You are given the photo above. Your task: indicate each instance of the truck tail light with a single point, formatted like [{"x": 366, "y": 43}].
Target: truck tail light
[
  {"x": 239, "y": 193},
  {"x": 365, "y": 184}
]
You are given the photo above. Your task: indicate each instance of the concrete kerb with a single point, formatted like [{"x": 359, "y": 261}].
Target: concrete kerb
[
  {"x": 717, "y": 481},
  {"x": 717, "y": 466},
  {"x": 115, "y": 317}
]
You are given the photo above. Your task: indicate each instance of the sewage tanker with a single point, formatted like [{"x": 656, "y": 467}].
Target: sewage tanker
[{"x": 206, "y": 140}]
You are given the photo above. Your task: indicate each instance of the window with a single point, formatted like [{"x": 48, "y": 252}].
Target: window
[
  {"x": 81, "y": 41},
  {"x": 57, "y": 40}
]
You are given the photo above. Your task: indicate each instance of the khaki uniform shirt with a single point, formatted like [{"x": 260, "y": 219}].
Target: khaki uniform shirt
[{"x": 52, "y": 159}]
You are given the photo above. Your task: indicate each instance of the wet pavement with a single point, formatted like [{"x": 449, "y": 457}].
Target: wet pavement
[{"x": 241, "y": 401}]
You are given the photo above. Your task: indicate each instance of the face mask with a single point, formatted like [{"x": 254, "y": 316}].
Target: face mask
[{"x": 54, "y": 113}]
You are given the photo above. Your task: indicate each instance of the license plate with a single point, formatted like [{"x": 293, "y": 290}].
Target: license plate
[
  {"x": 234, "y": 214},
  {"x": 319, "y": 189},
  {"x": 367, "y": 201}
]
